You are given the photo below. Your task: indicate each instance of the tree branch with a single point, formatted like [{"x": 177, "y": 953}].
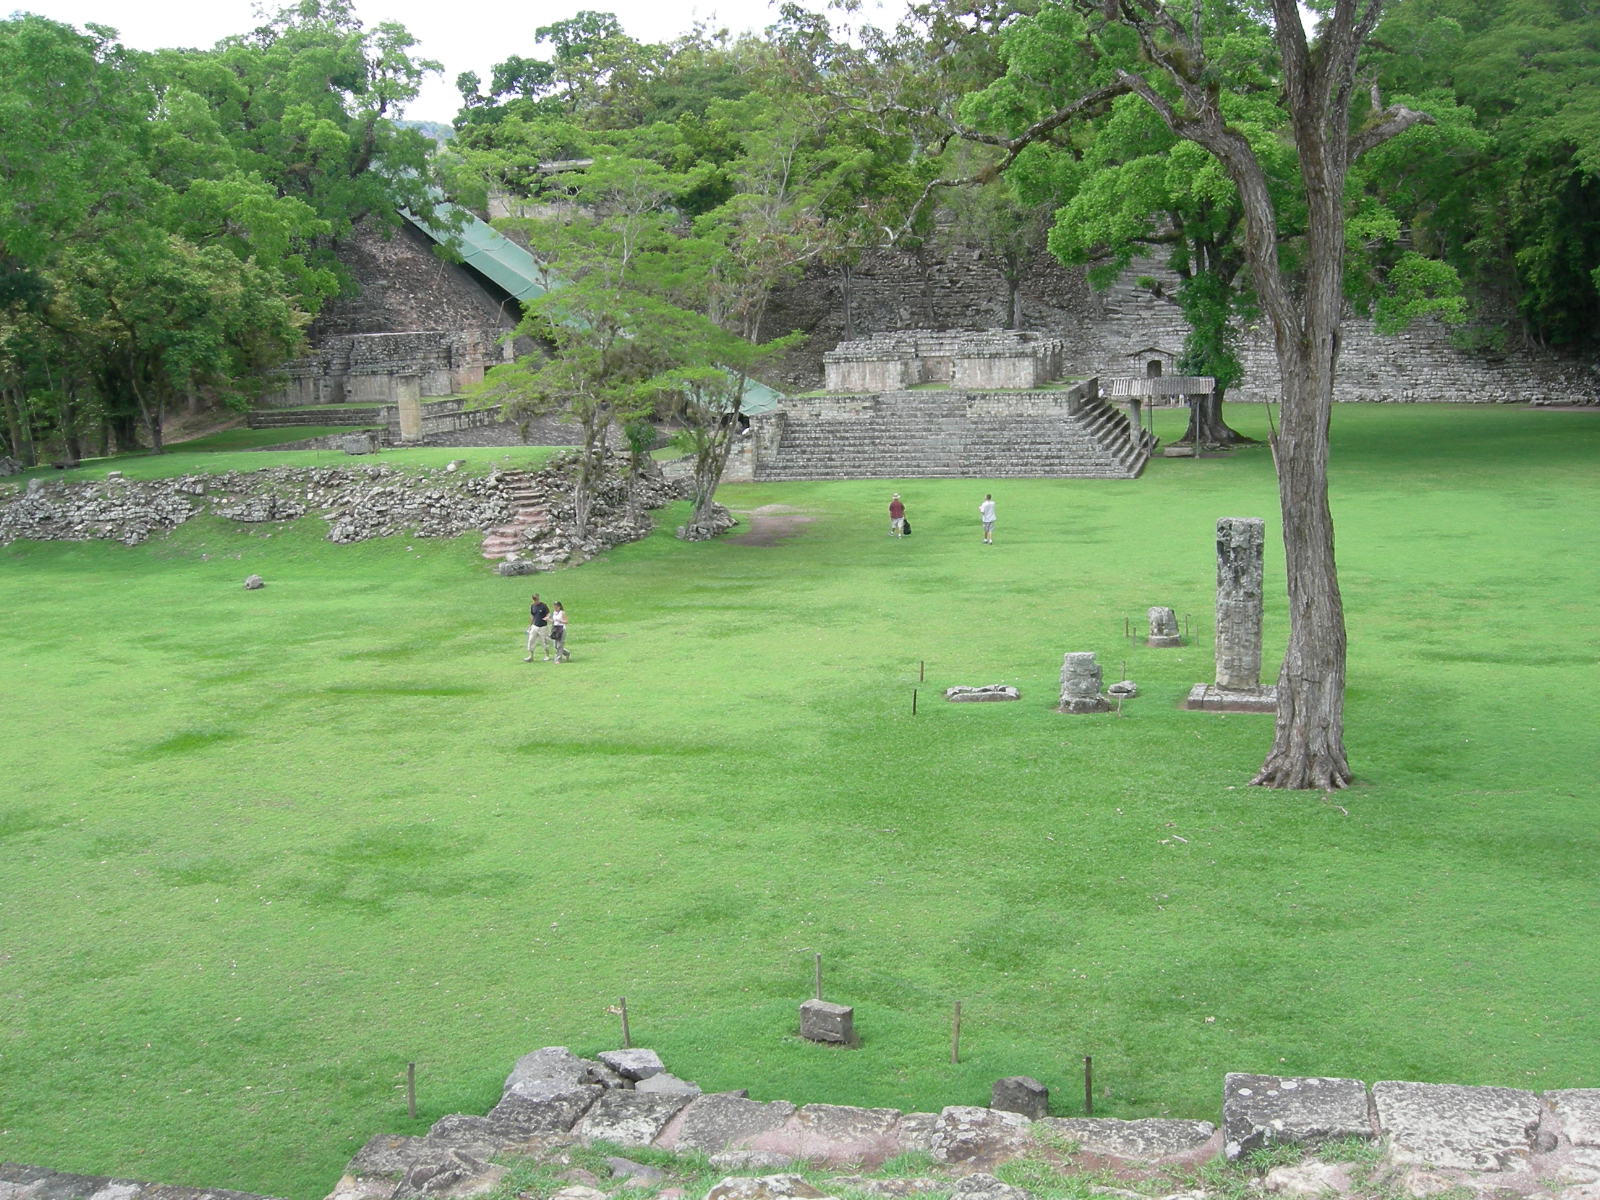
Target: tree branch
[{"x": 1394, "y": 120}]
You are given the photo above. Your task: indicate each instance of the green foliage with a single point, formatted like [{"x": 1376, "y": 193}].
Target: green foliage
[
  {"x": 1518, "y": 213},
  {"x": 166, "y": 219}
]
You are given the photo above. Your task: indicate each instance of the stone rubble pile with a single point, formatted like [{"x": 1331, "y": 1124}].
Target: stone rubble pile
[
  {"x": 357, "y": 502},
  {"x": 555, "y": 541}
]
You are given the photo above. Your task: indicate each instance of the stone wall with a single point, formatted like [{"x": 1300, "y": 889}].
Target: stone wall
[
  {"x": 374, "y": 368},
  {"x": 949, "y": 285}
]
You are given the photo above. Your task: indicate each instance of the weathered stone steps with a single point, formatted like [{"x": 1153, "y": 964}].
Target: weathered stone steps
[{"x": 527, "y": 511}]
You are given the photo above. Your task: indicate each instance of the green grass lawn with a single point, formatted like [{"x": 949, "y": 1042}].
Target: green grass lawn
[{"x": 263, "y": 849}]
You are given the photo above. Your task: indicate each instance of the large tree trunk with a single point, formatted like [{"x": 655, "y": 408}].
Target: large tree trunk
[
  {"x": 1308, "y": 739},
  {"x": 1207, "y": 426},
  {"x": 19, "y": 428}
]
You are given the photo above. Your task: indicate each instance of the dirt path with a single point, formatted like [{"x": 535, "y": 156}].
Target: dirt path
[{"x": 769, "y": 524}]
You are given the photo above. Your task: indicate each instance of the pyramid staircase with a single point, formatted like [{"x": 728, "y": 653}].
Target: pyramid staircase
[
  {"x": 921, "y": 435},
  {"x": 528, "y": 510}
]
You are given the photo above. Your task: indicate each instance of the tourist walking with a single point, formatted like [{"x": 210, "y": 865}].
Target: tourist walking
[
  {"x": 897, "y": 517},
  {"x": 538, "y": 628},
  {"x": 986, "y": 515},
  {"x": 558, "y": 633}
]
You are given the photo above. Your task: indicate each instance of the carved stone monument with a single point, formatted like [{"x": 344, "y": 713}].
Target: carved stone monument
[
  {"x": 1163, "y": 628},
  {"x": 1240, "y": 547},
  {"x": 408, "y": 398},
  {"x": 1080, "y": 685}
]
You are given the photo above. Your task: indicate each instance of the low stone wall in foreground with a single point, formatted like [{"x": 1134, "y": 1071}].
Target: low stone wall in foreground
[{"x": 1454, "y": 1142}]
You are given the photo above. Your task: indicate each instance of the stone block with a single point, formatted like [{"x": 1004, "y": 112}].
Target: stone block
[
  {"x": 980, "y": 695},
  {"x": 667, "y": 1084},
  {"x": 1080, "y": 684},
  {"x": 1578, "y": 1112},
  {"x": 1149, "y": 1139},
  {"x": 765, "y": 1187},
  {"x": 821, "y": 1021},
  {"x": 254, "y": 583},
  {"x": 979, "y": 1137},
  {"x": 1261, "y": 1110},
  {"x": 1163, "y": 627},
  {"x": 636, "y": 1063},
  {"x": 1452, "y": 1126},
  {"x": 546, "y": 1073},
  {"x": 981, "y": 1185},
  {"x": 1021, "y": 1094},
  {"x": 722, "y": 1122},
  {"x": 836, "y": 1133},
  {"x": 630, "y": 1118},
  {"x": 551, "y": 1114},
  {"x": 359, "y": 443}
]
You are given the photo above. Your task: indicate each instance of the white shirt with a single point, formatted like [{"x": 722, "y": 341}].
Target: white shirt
[{"x": 986, "y": 511}]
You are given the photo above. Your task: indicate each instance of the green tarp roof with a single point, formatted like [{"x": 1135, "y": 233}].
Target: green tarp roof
[{"x": 512, "y": 269}]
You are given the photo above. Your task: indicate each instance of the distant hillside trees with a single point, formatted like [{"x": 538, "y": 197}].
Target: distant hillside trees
[{"x": 167, "y": 219}]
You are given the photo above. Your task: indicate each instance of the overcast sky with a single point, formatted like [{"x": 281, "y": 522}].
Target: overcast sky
[{"x": 464, "y": 37}]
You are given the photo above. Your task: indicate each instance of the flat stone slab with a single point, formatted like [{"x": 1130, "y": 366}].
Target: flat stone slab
[
  {"x": 551, "y": 1071},
  {"x": 981, "y": 695},
  {"x": 723, "y": 1122},
  {"x": 916, "y": 1131},
  {"x": 836, "y": 1134},
  {"x": 668, "y": 1084},
  {"x": 630, "y": 1118},
  {"x": 636, "y": 1064},
  {"x": 1260, "y": 1110},
  {"x": 890, "y": 1189},
  {"x": 983, "y": 1186},
  {"x": 1208, "y": 697},
  {"x": 1448, "y": 1125},
  {"x": 1150, "y": 1139},
  {"x": 979, "y": 1137},
  {"x": 25, "y": 1181},
  {"x": 764, "y": 1187},
  {"x": 1578, "y": 1111}
]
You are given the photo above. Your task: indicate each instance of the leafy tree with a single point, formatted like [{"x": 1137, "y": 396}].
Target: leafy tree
[
  {"x": 151, "y": 246},
  {"x": 1192, "y": 67},
  {"x": 309, "y": 101},
  {"x": 1518, "y": 213}
]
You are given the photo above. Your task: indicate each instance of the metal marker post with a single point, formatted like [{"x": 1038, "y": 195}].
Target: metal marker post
[
  {"x": 622, "y": 1007},
  {"x": 411, "y": 1090},
  {"x": 955, "y": 1035},
  {"x": 819, "y": 976},
  {"x": 1088, "y": 1086}
]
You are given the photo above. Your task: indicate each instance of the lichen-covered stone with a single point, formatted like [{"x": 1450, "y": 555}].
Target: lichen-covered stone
[
  {"x": 1261, "y": 1110},
  {"x": 1450, "y": 1125}
]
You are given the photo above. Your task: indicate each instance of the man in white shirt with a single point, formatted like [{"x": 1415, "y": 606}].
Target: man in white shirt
[{"x": 986, "y": 514}]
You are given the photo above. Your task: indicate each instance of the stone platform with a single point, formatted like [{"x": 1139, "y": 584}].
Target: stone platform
[{"x": 1211, "y": 697}]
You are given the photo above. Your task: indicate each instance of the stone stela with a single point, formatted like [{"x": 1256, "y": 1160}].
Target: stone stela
[
  {"x": 1163, "y": 628},
  {"x": 1080, "y": 685},
  {"x": 1240, "y": 573}
]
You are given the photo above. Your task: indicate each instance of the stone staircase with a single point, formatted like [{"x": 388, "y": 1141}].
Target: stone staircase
[
  {"x": 289, "y": 418},
  {"x": 922, "y": 435},
  {"x": 528, "y": 510}
]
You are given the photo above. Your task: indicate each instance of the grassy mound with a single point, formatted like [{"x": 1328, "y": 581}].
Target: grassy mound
[{"x": 263, "y": 849}]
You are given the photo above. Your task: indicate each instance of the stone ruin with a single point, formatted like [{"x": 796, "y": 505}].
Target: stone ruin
[
  {"x": 1163, "y": 627},
  {"x": 1080, "y": 685},
  {"x": 1426, "y": 1139},
  {"x": 1240, "y": 548},
  {"x": 380, "y": 368},
  {"x": 963, "y": 358}
]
